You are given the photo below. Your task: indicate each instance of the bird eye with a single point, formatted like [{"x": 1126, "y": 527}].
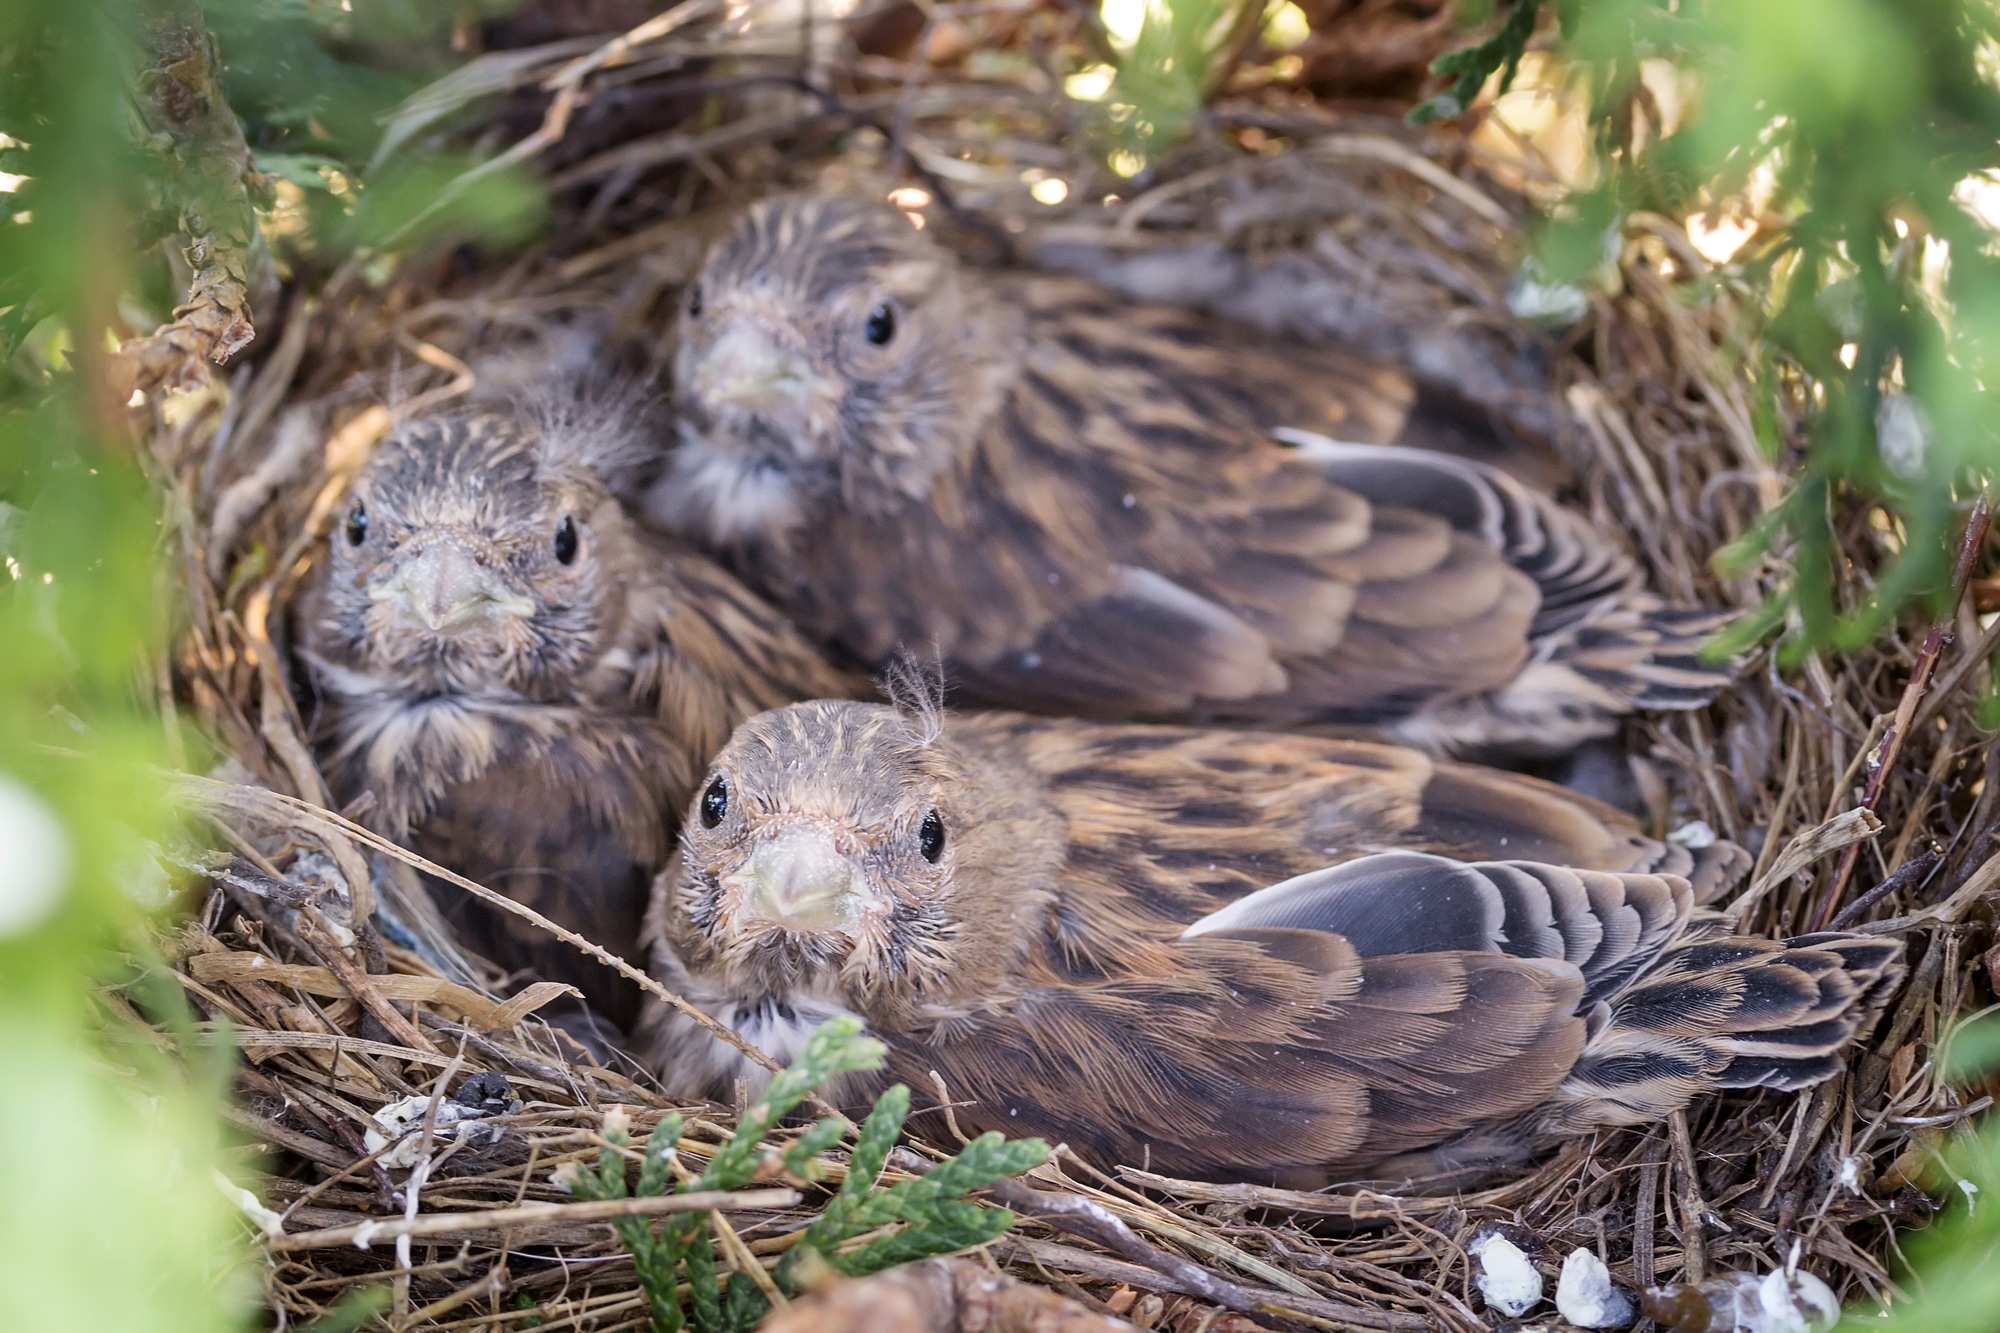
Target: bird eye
[
  {"x": 715, "y": 802},
  {"x": 566, "y": 541},
  {"x": 694, "y": 301},
  {"x": 357, "y": 524},
  {"x": 881, "y": 326},
  {"x": 930, "y": 838}
]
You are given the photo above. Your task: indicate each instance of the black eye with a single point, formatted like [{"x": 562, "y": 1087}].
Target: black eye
[
  {"x": 881, "y": 326},
  {"x": 930, "y": 838},
  {"x": 566, "y": 541},
  {"x": 715, "y": 802},
  {"x": 694, "y": 301},
  {"x": 357, "y": 524}
]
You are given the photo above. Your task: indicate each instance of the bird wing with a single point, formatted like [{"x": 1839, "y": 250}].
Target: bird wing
[
  {"x": 1183, "y": 821},
  {"x": 1573, "y": 568},
  {"x": 1162, "y": 556},
  {"x": 1129, "y": 538},
  {"x": 1609, "y": 926},
  {"x": 1269, "y": 1053}
]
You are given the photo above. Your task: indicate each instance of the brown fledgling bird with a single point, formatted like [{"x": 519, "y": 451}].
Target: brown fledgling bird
[
  {"x": 526, "y": 681},
  {"x": 1228, "y": 953},
  {"x": 1082, "y": 504}
]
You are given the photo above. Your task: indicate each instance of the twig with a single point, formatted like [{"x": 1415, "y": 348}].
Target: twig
[
  {"x": 1910, "y": 872},
  {"x": 1844, "y": 831},
  {"x": 1982, "y": 648},
  {"x": 318, "y": 936},
  {"x": 1688, "y": 1202},
  {"x": 1882, "y": 758},
  {"x": 1643, "y": 1210},
  {"x": 1096, "y": 1222},
  {"x": 1267, "y": 1306},
  {"x": 364, "y": 1234},
  {"x": 1361, "y": 1207}
]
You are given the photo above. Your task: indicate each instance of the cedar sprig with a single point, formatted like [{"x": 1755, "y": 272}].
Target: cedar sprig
[{"x": 929, "y": 1213}]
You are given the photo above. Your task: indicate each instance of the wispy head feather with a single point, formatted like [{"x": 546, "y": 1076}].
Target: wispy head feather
[
  {"x": 600, "y": 424},
  {"x": 915, "y": 689}
]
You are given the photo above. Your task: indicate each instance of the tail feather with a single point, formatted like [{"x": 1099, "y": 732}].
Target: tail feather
[
  {"x": 1727, "y": 1012},
  {"x": 1634, "y": 655}
]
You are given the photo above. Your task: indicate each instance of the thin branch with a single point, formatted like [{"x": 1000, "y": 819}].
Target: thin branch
[{"x": 364, "y": 1234}]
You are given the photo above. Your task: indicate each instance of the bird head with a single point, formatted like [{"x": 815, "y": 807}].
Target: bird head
[
  {"x": 853, "y": 850},
  {"x": 827, "y": 349},
  {"x": 478, "y": 555}
]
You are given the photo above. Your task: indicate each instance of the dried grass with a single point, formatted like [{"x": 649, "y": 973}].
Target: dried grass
[{"x": 1401, "y": 242}]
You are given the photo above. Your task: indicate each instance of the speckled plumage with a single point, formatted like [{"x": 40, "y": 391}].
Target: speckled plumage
[
  {"x": 1230, "y": 954},
  {"x": 542, "y": 736},
  {"x": 1080, "y": 504}
]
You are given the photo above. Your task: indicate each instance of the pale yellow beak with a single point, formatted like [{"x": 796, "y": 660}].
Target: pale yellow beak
[
  {"x": 444, "y": 589},
  {"x": 746, "y": 369},
  {"x": 799, "y": 880}
]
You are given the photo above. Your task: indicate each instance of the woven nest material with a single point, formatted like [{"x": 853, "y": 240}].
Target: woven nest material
[{"x": 1326, "y": 224}]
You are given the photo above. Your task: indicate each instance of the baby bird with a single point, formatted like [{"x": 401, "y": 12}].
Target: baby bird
[
  {"x": 1231, "y": 954},
  {"x": 1094, "y": 508},
  {"x": 528, "y": 683}
]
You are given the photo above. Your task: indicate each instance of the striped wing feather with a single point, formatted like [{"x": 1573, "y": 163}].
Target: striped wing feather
[
  {"x": 1307, "y": 1054},
  {"x": 1167, "y": 561}
]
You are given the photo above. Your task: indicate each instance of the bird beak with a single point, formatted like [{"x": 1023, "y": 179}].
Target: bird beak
[
  {"x": 799, "y": 880},
  {"x": 444, "y": 589},
  {"x": 744, "y": 368}
]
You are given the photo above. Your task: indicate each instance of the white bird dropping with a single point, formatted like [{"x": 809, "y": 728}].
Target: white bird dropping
[
  {"x": 1586, "y": 1296},
  {"x": 1507, "y": 1280},
  {"x": 1793, "y": 1303}
]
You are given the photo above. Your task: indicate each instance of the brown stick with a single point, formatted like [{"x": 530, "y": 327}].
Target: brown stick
[
  {"x": 1910, "y": 872},
  {"x": 1882, "y": 759},
  {"x": 1073, "y": 1212},
  {"x": 318, "y": 936},
  {"x": 939, "y": 1296},
  {"x": 1269, "y": 1306},
  {"x": 1688, "y": 1203}
]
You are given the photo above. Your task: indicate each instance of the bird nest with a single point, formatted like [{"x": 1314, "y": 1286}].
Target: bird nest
[{"x": 1283, "y": 209}]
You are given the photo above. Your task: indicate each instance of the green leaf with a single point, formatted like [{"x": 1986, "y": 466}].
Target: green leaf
[
  {"x": 985, "y": 1160},
  {"x": 743, "y": 1305},
  {"x": 301, "y": 169},
  {"x": 952, "y": 1226},
  {"x": 799, "y": 1154},
  {"x": 704, "y": 1295},
  {"x": 655, "y": 1173},
  {"x": 1471, "y": 66},
  {"x": 1974, "y": 1050},
  {"x": 352, "y": 1311},
  {"x": 836, "y": 1047}
]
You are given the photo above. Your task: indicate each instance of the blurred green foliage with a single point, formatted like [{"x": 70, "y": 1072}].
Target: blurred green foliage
[
  {"x": 1165, "y": 79},
  {"x": 110, "y": 1144},
  {"x": 1866, "y": 129},
  {"x": 111, "y": 1217},
  {"x": 315, "y": 84}
]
